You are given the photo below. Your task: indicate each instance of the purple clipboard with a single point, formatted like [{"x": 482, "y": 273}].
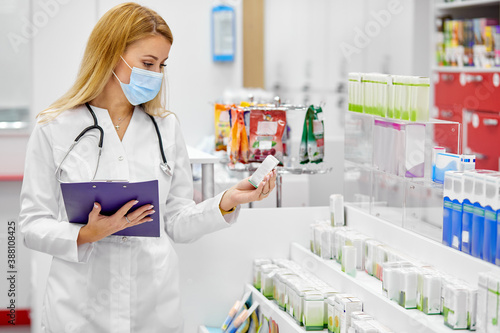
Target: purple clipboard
[{"x": 79, "y": 200}]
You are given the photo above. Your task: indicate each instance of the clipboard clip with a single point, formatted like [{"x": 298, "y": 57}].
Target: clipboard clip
[{"x": 109, "y": 181}]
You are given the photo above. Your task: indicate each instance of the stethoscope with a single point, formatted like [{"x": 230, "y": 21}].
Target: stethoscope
[{"x": 163, "y": 165}]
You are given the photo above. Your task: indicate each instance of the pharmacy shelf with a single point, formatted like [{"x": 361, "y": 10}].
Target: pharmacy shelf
[
  {"x": 443, "y": 258},
  {"x": 197, "y": 156},
  {"x": 450, "y": 69},
  {"x": 467, "y": 4},
  {"x": 369, "y": 290},
  {"x": 271, "y": 310}
]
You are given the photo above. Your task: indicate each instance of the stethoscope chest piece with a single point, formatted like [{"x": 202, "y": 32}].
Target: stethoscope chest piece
[{"x": 166, "y": 168}]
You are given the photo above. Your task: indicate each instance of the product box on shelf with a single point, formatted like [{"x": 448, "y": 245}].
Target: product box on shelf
[{"x": 345, "y": 305}]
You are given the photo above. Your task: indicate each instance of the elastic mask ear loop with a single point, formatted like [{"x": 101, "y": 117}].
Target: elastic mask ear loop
[
  {"x": 116, "y": 77},
  {"x": 125, "y": 64}
]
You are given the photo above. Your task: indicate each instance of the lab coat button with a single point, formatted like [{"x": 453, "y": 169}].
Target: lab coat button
[
  {"x": 120, "y": 158},
  {"x": 124, "y": 238}
]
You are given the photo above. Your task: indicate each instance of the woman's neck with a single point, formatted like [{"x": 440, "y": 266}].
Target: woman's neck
[{"x": 113, "y": 99}]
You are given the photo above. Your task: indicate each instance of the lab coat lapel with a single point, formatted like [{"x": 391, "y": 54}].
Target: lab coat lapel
[{"x": 113, "y": 164}]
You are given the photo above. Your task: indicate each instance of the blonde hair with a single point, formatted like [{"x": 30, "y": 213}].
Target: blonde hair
[{"x": 116, "y": 30}]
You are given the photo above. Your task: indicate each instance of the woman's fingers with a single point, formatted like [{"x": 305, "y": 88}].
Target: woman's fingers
[
  {"x": 125, "y": 208},
  {"x": 95, "y": 210},
  {"x": 143, "y": 215},
  {"x": 136, "y": 214},
  {"x": 140, "y": 221},
  {"x": 267, "y": 185}
]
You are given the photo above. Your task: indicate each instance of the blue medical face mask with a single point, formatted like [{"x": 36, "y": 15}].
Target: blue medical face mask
[{"x": 144, "y": 85}]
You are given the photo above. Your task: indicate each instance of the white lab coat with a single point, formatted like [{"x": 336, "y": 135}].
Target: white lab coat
[{"x": 118, "y": 284}]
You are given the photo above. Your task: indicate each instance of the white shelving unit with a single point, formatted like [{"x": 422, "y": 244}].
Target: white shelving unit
[
  {"x": 271, "y": 310},
  {"x": 462, "y": 9},
  {"x": 369, "y": 290},
  {"x": 443, "y": 258},
  {"x": 447, "y": 69},
  {"x": 466, "y": 4}
]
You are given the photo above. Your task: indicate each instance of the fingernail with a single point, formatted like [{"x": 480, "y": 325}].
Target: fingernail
[
  {"x": 152, "y": 212},
  {"x": 150, "y": 220},
  {"x": 95, "y": 205},
  {"x": 151, "y": 207},
  {"x": 136, "y": 202}
]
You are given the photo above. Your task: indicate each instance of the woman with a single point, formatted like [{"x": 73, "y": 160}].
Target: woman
[{"x": 99, "y": 282}]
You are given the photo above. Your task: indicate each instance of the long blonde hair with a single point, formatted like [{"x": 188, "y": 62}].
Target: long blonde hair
[{"x": 116, "y": 30}]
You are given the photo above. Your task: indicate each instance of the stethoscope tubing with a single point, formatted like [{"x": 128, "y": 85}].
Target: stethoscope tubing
[{"x": 164, "y": 165}]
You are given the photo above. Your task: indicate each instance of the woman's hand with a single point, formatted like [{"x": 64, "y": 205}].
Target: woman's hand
[
  {"x": 244, "y": 192},
  {"x": 100, "y": 226}
]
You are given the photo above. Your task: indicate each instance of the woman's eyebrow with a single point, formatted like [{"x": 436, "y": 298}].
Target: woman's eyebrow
[{"x": 152, "y": 56}]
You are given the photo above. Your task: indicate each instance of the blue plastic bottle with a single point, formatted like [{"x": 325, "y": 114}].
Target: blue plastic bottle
[
  {"x": 490, "y": 234},
  {"x": 456, "y": 197},
  {"x": 447, "y": 209},
  {"x": 492, "y": 203},
  {"x": 480, "y": 202},
  {"x": 447, "y": 212},
  {"x": 477, "y": 231},
  {"x": 497, "y": 259},
  {"x": 456, "y": 225},
  {"x": 468, "y": 212}
]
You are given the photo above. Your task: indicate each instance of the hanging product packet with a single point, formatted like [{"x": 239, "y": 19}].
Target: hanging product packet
[
  {"x": 295, "y": 115},
  {"x": 312, "y": 145},
  {"x": 318, "y": 130},
  {"x": 222, "y": 126},
  {"x": 266, "y": 133},
  {"x": 238, "y": 139}
]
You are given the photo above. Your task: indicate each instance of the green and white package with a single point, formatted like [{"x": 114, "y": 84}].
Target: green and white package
[
  {"x": 335, "y": 242},
  {"x": 326, "y": 242},
  {"x": 313, "y": 316},
  {"x": 327, "y": 293},
  {"x": 312, "y": 145},
  {"x": 370, "y": 246},
  {"x": 267, "y": 273},
  {"x": 390, "y": 280},
  {"x": 257, "y": 263},
  {"x": 455, "y": 306},
  {"x": 482, "y": 301},
  {"x": 318, "y": 130},
  {"x": 493, "y": 301},
  {"x": 340, "y": 241},
  {"x": 331, "y": 313},
  {"x": 349, "y": 260},
  {"x": 303, "y": 152},
  {"x": 429, "y": 293},
  {"x": 408, "y": 282},
  {"x": 344, "y": 306}
]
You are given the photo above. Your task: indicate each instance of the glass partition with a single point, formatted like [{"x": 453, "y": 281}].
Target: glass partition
[{"x": 388, "y": 169}]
